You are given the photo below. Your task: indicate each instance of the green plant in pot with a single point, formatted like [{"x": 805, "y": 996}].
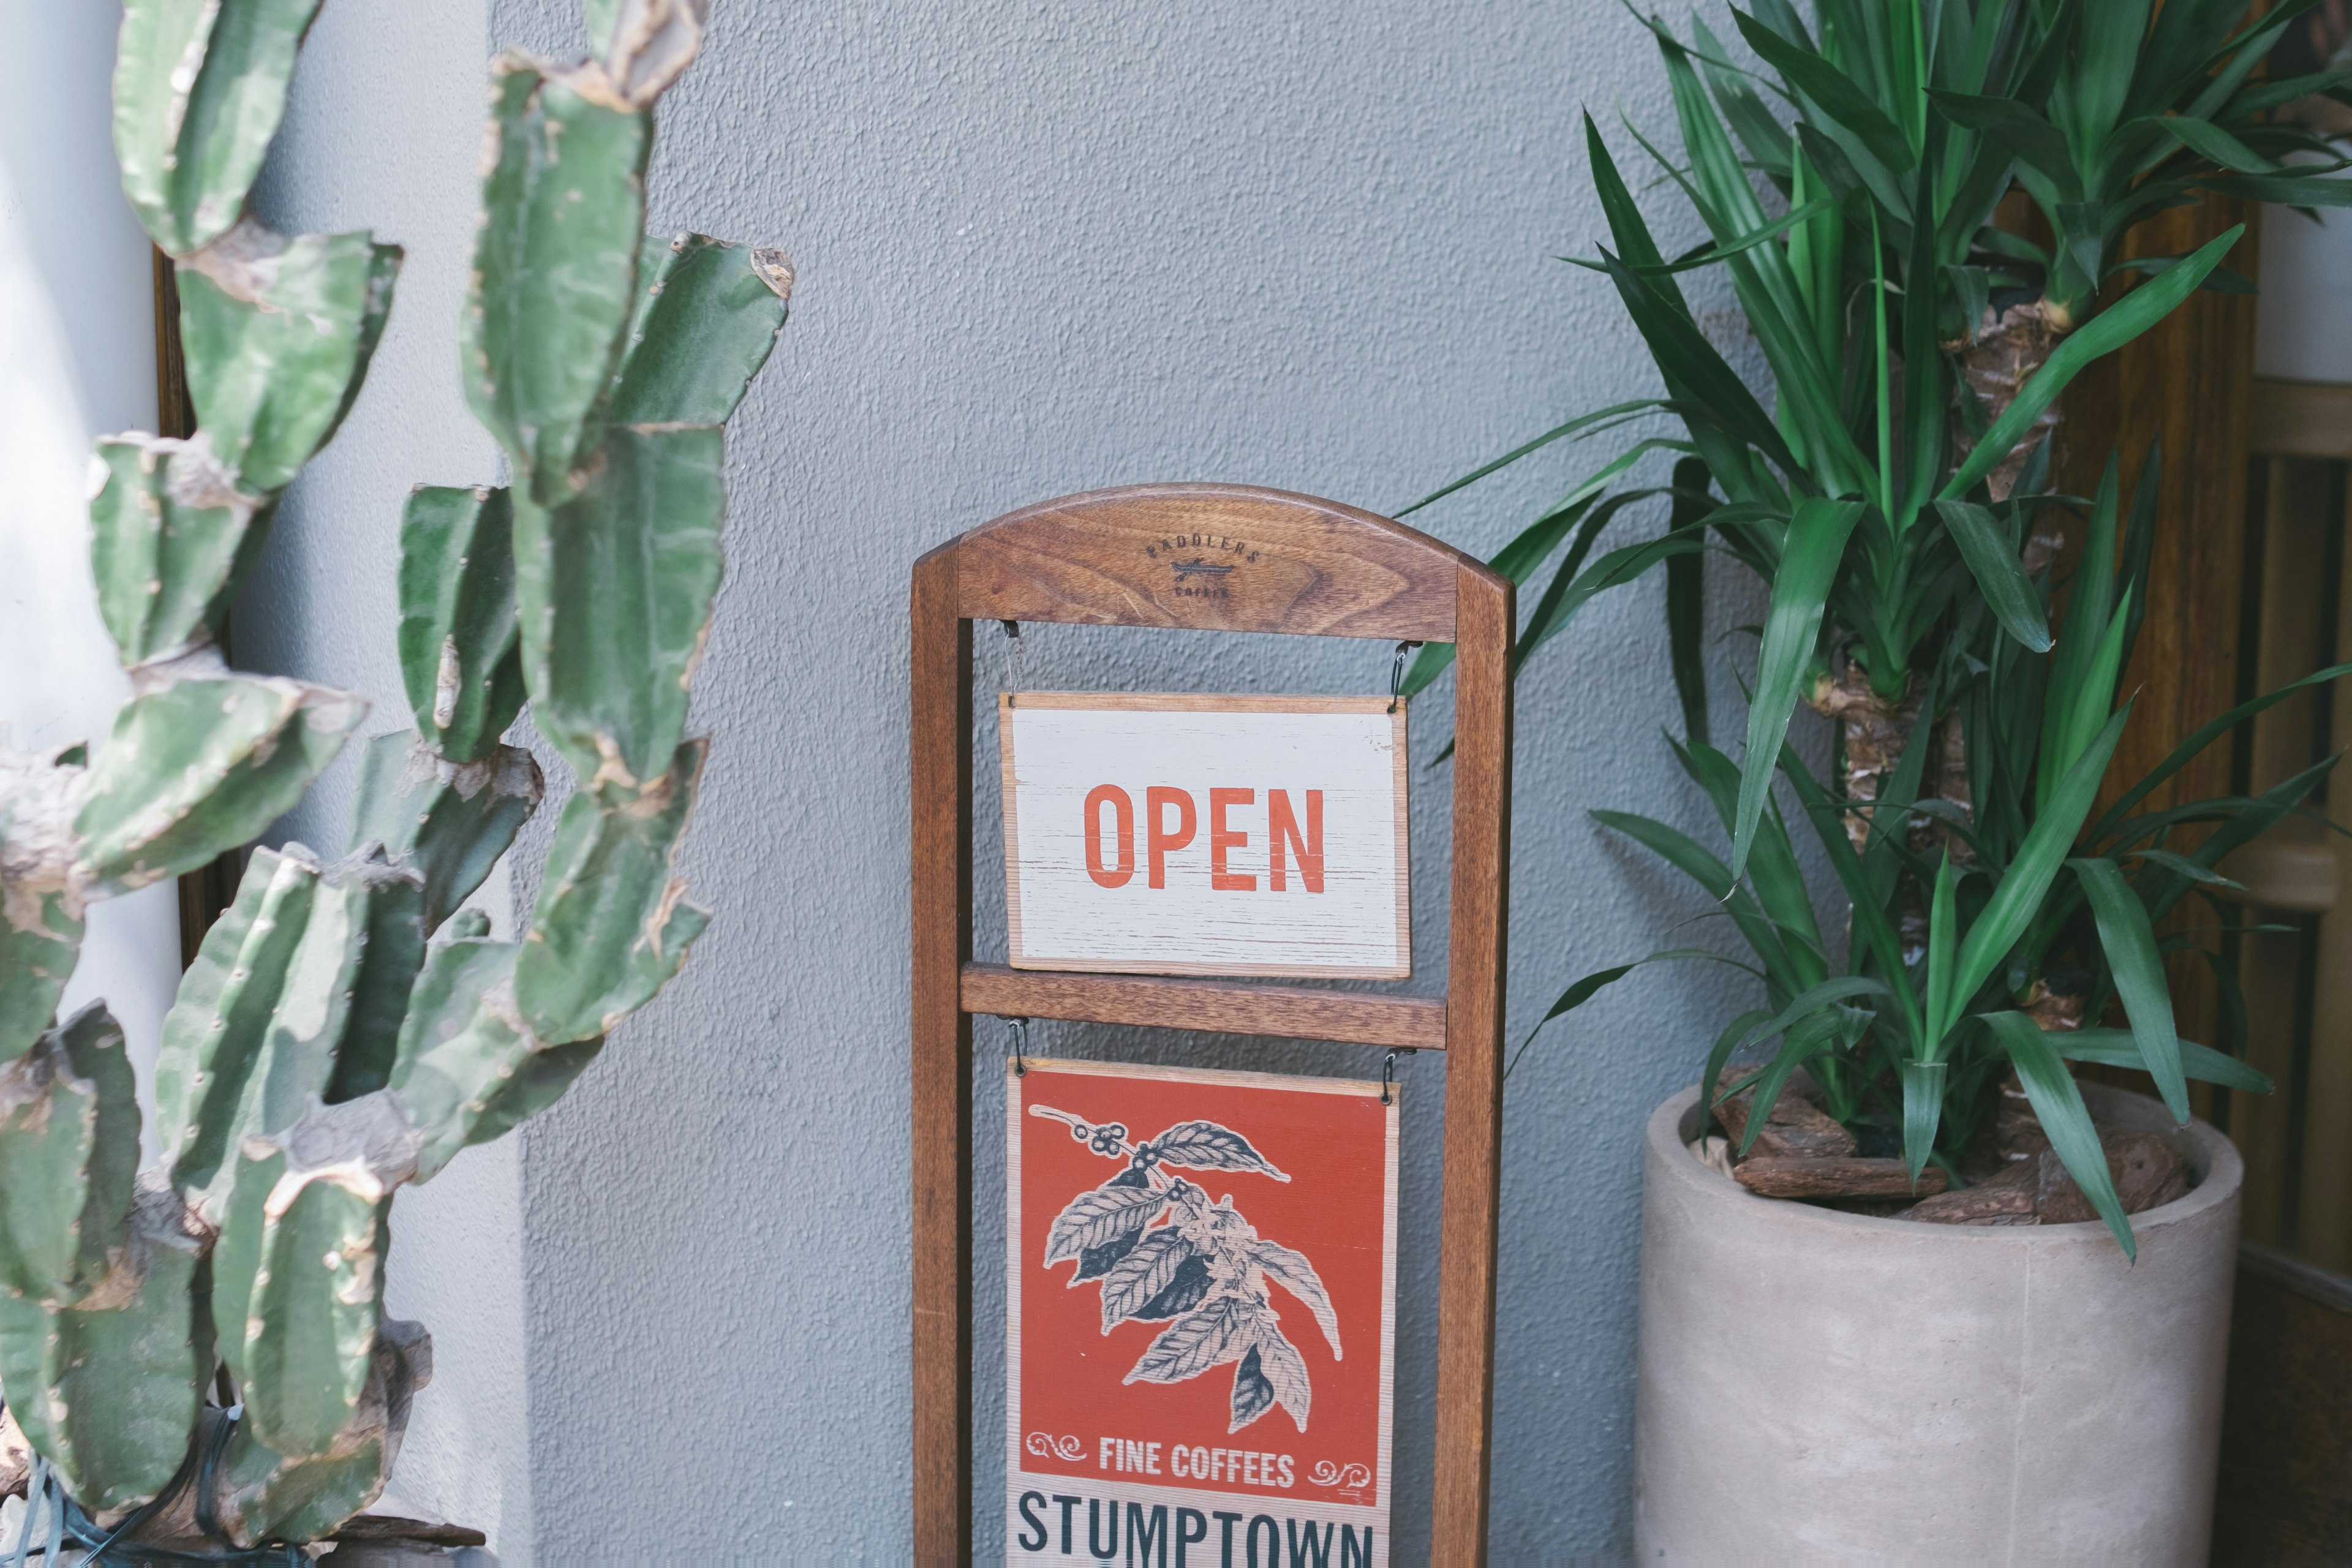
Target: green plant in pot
[
  {"x": 1900, "y": 518},
  {"x": 1893, "y": 499},
  {"x": 197, "y": 1351}
]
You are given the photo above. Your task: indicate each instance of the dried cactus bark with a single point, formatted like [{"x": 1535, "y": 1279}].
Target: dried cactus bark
[
  {"x": 347, "y": 1027},
  {"x": 40, "y": 909}
]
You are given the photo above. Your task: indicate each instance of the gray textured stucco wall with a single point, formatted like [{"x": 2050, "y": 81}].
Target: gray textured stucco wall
[{"x": 1043, "y": 247}]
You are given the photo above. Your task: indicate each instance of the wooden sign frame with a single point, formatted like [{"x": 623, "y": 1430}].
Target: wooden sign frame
[{"x": 1295, "y": 565}]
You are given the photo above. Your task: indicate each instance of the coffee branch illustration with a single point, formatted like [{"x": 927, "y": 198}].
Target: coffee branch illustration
[{"x": 1163, "y": 1253}]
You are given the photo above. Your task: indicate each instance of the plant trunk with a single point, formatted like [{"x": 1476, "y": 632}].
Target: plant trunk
[
  {"x": 2009, "y": 348},
  {"x": 2006, "y": 352},
  {"x": 1871, "y": 731}
]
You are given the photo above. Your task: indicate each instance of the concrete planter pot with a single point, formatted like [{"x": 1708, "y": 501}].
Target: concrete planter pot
[{"x": 1817, "y": 1387}]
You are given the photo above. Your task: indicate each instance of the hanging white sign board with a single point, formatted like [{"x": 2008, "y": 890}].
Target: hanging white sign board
[{"x": 1194, "y": 834}]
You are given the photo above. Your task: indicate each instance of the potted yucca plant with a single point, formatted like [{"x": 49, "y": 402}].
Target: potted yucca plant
[{"x": 1823, "y": 1378}]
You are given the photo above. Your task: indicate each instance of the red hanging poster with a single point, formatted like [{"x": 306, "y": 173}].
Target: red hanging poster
[{"x": 1199, "y": 1302}]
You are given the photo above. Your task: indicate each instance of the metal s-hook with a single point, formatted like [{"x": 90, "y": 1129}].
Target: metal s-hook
[
  {"x": 1020, "y": 661},
  {"x": 1387, "y": 1073},
  {"x": 1020, "y": 1028},
  {"x": 1396, "y": 684}
]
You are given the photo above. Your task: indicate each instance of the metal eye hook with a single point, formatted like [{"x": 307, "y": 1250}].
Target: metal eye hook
[{"x": 1396, "y": 683}]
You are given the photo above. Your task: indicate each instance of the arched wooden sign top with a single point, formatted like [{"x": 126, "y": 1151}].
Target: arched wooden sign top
[
  {"x": 1225, "y": 558},
  {"x": 1205, "y": 557}
]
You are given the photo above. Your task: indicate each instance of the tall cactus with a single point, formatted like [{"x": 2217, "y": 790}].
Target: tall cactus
[{"x": 200, "y": 1348}]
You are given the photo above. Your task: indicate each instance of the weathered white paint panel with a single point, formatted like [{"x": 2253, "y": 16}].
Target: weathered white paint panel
[{"x": 1197, "y": 804}]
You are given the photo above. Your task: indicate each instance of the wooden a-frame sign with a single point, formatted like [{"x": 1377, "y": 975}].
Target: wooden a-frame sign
[{"x": 1304, "y": 567}]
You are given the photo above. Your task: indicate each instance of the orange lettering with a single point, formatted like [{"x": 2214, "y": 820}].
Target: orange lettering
[
  {"x": 1221, "y": 838},
  {"x": 1156, "y": 800},
  {"x": 1281, "y": 825},
  {"x": 1123, "y": 809}
]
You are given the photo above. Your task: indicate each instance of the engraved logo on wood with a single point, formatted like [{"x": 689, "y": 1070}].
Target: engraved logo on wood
[{"x": 1197, "y": 575}]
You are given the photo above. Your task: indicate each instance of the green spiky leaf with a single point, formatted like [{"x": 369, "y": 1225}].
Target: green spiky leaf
[
  {"x": 277, "y": 334},
  {"x": 2129, "y": 942},
  {"x": 59, "y": 1178},
  {"x": 448, "y": 822},
  {"x": 612, "y": 924},
  {"x": 201, "y": 766},
  {"x": 1809, "y": 562},
  {"x": 169, "y": 531},
  {"x": 199, "y": 89},
  {"x": 459, "y": 659},
  {"x": 614, "y": 589},
  {"x": 1992, "y": 561},
  {"x": 708, "y": 314},
  {"x": 218, "y": 1022},
  {"x": 2121, "y": 1049},
  {"x": 554, "y": 282},
  {"x": 108, "y": 1391},
  {"x": 315, "y": 1304},
  {"x": 2058, "y": 1105}
]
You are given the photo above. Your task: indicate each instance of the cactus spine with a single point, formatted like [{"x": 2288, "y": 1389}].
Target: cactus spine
[{"x": 347, "y": 1027}]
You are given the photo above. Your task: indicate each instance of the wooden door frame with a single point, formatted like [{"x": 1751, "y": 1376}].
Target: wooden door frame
[
  {"x": 2186, "y": 382},
  {"x": 211, "y": 888},
  {"x": 1306, "y": 567}
]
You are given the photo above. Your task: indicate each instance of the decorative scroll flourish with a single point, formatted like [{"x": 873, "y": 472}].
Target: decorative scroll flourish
[
  {"x": 1345, "y": 1477},
  {"x": 1046, "y": 1446}
]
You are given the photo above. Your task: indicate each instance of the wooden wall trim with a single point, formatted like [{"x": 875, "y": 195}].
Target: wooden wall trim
[
  {"x": 2186, "y": 382},
  {"x": 2301, "y": 419}
]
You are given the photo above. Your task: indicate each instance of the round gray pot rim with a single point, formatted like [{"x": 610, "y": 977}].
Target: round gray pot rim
[{"x": 2211, "y": 1157}]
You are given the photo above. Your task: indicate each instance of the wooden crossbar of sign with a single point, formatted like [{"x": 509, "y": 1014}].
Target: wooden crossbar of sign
[{"x": 1207, "y": 558}]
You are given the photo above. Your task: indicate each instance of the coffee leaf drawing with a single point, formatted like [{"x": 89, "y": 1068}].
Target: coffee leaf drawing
[
  {"x": 1216, "y": 1333},
  {"x": 1285, "y": 1368},
  {"x": 1094, "y": 1262},
  {"x": 1140, "y": 1277},
  {"x": 1292, "y": 1271},
  {"x": 1108, "y": 1214},
  {"x": 1205, "y": 1146},
  {"x": 1184, "y": 1293},
  {"x": 1253, "y": 1391},
  {"x": 1161, "y": 1252}
]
